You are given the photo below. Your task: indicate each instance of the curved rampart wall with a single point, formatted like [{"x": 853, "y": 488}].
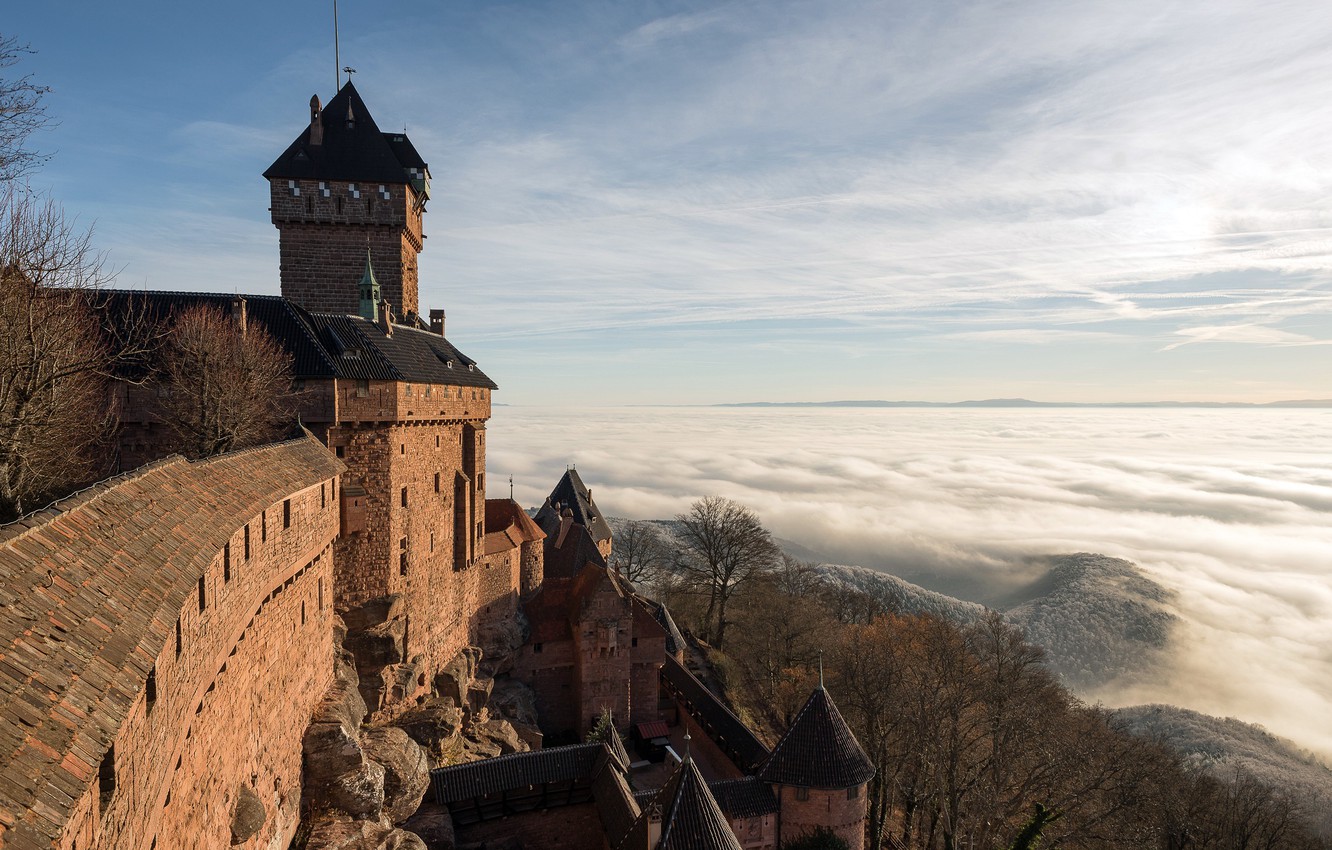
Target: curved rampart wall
[{"x": 154, "y": 664}]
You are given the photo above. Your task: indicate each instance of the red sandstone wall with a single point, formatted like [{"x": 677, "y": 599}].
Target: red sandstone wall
[
  {"x": 232, "y": 706},
  {"x": 756, "y": 833},
  {"x": 833, "y": 809},
  {"x": 603, "y": 633},
  {"x": 550, "y": 674},
  {"x": 323, "y": 243}
]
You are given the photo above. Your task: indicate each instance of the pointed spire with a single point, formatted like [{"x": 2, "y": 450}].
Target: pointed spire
[
  {"x": 819, "y": 750},
  {"x": 820, "y": 669},
  {"x": 687, "y": 759},
  {"x": 369, "y": 288}
]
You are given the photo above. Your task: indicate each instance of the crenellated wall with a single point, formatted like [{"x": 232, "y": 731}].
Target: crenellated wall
[{"x": 174, "y": 662}]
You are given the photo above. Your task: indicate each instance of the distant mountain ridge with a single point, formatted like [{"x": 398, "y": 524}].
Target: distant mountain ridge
[{"x": 1315, "y": 403}]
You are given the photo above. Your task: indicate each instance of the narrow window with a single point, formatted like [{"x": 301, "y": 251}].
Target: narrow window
[
  {"x": 432, "y": 541},
  {"x": 481, "y": 482},
  {"x": 536, "y": 648},
  {"x": 801, "y": 794},
  {"x": 150, "y": 687},
  {"x": 339, "y": 204},
  {"x": 247, "y": 541},
  {"x": 321, "y": 594},
  {"x": 402, "y": 449},
  {"x": 203, "y": 599},
  {"x": 362, "y": 387},
  {"x": 404, "y": 497},
  {"x": 302, "y": 612},
  {"x": 309, "y": 204},
  {"x": 436, "y": 482},
  {"x": 226, "y": 566},
  {"x": 323, "y": 495},
  {"x": 106, "y": 777},
  {"x": 633, "y": 641},
  {"x": 340, "y": 451},
  {"x": 180, "y": 639},
  {"x": 402, "y": 557},
  {"x": 436, "y": 441},
  {"x": 286, "y": 513},
  {"x": 263, "y": 527},
  {"x": 853, "y": 792}
]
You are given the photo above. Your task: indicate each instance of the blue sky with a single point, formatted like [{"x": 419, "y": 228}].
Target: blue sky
[{"x": 702, "y": 202}]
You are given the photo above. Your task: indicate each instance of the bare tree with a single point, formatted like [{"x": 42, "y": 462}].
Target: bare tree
[
  {"x": 640, "y": 552},
  {"x": 725, "y": 546},
  {"x": 54, "y": 358},
  {"x": 21, "y": 113},
  {"x": 222, "y": 386}
]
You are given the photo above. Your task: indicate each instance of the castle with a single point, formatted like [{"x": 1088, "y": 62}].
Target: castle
[{"x": 168, "y": 635}]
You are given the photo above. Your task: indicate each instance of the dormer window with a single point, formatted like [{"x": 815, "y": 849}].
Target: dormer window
[
  {"x": 294, "y": 189},
  {"x": 355, "y": 192}
]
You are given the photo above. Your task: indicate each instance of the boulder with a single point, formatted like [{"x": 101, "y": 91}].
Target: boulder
[
  {"x": 453, "y": 681},
  {"x": 514, "y": 701},
  {"x": 435, "y": 725},
  {"x": 359, "y": 792},
  {"x": 478, "y": 695},
  {"x": 247, "y": 816},
  {"x": 336, "y": 834},
  {"x": 374, "y": 612},
  {"x": 406, "y": 769},
  {"x": 503, "y": 735},
  {"x": 377, "y": 646},
  {"x": 433, "y": 825}
]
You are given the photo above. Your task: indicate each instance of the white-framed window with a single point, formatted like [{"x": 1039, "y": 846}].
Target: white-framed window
[
  {"x": 355, "y": 192},
  {"x": 384, "y": 192},
  {"x": 323, "y": 189},
  {"x": 293, "y": 188}
]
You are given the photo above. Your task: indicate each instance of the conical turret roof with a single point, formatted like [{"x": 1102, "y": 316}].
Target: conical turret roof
[
  {"x": 818, "y": 751},
  {"x": 690, "y": 816}
]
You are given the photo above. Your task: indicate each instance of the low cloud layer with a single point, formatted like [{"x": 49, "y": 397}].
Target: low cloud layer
[{"x": 1228, "y": 508}]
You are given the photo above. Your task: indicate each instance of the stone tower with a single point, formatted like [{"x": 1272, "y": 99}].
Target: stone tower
[
  {"x": 818, "y": 772},
  {"x": 340, "y": 189}
]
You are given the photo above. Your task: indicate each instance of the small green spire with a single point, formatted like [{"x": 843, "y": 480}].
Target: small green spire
[{"x": 369, "y": 291}]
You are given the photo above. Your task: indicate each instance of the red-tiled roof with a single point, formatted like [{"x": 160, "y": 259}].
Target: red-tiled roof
[{"x": 90, "y": 590}]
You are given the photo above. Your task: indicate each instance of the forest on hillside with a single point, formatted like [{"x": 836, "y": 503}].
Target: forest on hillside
[{"x": 974, "y": 739}]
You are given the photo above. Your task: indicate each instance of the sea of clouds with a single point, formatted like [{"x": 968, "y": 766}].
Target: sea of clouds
[{"x": 1230, "y": 508}]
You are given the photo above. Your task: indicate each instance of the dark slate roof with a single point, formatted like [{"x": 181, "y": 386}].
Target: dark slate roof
[
  {"x": 747, "y": 797},
  {"x": 615, "y": 803},
  {"x": 675, "y": 641},
  {"x": 362, "y": 350},
  {"x": 321, "y": 345},
  {"x": 287, "y": 323},
  {"x": 818, "y": 751},
  {"x": 89, "y": 590},
  {"x": 518, "y": 770},
  {"x": 690, "y": 817},
  {"x": 360, "y": 153},
  {"x": 570, "y": 556},
  {"x": 571, "y": 493},
  {"x": 727, "y": 731}
]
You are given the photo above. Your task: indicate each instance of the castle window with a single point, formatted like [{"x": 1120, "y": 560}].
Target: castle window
[
  {"x": 226, "y": 564},
  {"x": 309, "y": 204},
  {"x": 853, "y": 792},
  {"x": 402, "y": 557},
  {"x": 432, "y": 541},
  {"x": 536, "y": 648},
  {"x": 203, "y": 597},
  {"x": 150, "y": 688},
  {"x": 286, "y": 513},
  {"x": 801, "y": 794},
  {"x": 384, "y": 192},
  {"x": 180, "y": 639},
  {"x": 340, "y": 451},
  {"x": 323, "y": 503},
  {"x": 402, "y": 449},
  {"x": 247, "y": 541},
  {"x": 427, "y": 390},
  {"x": 339, "y": 203},
  {"x": 407, "y": 390},
  {"x": 355, "y": 192},
  {"x": 302, "y": 612},
  {"x": 481, "y": 482},
  {"x": 294, "y": 189},
  {"x": 263, "y": 526},
  {"x": 436, "y": 441},
  {"x": 362, "y": 388},
  {"x": 404, "y": 497},
  {"x": 323, "y": 189},
  {"x": 633, "y": 641},
  {"x": 320, "y": 594},
  {"x": 106, "y": 778},
  {"x": 436, "y": 478}
]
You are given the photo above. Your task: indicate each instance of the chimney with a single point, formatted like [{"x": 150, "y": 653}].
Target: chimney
[
  {"x": 437, "y": 321},
  {"x": 385, "y": 318},
  {"x": 316, "y": 121},
  {"x": 238, "y": 312}
]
